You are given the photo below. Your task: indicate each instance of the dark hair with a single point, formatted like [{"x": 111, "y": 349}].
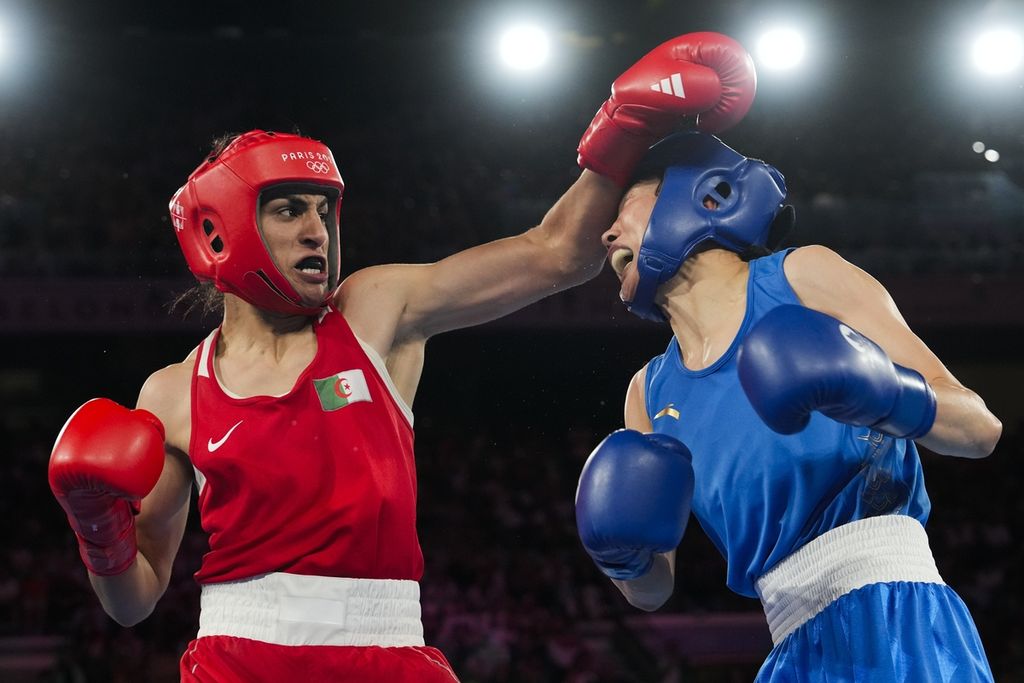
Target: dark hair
[
  {"x": 220, "y": 143},
  {"x": 755, "y": 251},
  {"x": 202, "y": 296}
]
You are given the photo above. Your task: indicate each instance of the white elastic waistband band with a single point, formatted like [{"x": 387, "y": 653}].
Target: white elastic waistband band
[
  {"x": 874, "y": 550},
  {"x": 292, "y": 609}
]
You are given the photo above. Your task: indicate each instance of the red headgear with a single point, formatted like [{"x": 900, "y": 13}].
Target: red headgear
[{"x": 215, "y": 216}]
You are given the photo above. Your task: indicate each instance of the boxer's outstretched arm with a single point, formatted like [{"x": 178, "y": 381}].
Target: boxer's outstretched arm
[
  {"x": 409, "y": 303},
  {"x": 130, "y": 597},
  {"x": 493, "y": 279},
  {"x": 824, "y": 281}
]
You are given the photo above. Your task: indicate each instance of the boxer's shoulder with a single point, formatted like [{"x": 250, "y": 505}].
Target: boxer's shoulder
[
  {"x": 375, "y": 294},
  {"x": 812, "y": 263},
  {"x": 373, "y": 301},
  {"x": 825, "y": 281},
  {"x": 167, "y": 394}
]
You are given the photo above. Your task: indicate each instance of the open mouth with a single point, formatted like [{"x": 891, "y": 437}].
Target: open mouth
[
  {"x": 621, "y": 258},
  {"x": 312, "y": 265}
]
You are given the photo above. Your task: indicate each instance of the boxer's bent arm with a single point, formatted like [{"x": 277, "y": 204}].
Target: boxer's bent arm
[
  {"x": 130, "y": 597},
  {"x": 493, "y": 279},
  {"x": 826, "y": 282},
  {"x": 650, "y": 591}
]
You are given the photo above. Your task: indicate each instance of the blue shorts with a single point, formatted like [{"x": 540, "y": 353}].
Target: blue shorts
[{"x": 899, "y": 632}]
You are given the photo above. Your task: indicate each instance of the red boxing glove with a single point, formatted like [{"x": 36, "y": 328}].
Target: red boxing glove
[
  {"x": 105, "y": 460},
  {"x": 705, "y": 74}
]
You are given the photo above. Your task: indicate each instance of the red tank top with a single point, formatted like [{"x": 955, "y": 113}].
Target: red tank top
[{"x": 319, "y": 481}]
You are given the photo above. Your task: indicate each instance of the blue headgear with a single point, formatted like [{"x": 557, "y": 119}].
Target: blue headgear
[{"x": 749, "y": 194}]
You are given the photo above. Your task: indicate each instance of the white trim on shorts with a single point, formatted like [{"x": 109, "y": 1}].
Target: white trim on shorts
[
  {"x": 294, "y": 609},
  {"x": 873, "y": 550}
]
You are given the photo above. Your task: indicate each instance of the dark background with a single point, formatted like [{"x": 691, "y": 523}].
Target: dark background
[{"x": 106, "y": 107}]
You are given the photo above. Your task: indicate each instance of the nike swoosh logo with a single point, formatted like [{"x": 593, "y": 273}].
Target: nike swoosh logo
[{"x": 214, "y": 445}]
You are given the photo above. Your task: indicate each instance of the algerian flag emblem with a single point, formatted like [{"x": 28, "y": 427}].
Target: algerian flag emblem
[{"x": 337, "y": 391}]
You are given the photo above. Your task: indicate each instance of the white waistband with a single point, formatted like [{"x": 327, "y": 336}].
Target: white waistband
[
  {"x": 873, "y": 550},
  {"x": 292, "y": 609}
]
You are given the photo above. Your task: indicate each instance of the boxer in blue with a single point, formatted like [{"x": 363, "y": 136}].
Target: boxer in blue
[{"x": 784, "y": 414}]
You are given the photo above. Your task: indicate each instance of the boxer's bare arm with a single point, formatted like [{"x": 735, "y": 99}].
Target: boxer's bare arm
[
  {"x": 396, "y": 308},
  {"x": 825, "y": 282},
  {"x": 389, "y": 304},
  {"x": 399, "y": 307},
  {"x": 650, "y": 591},
  {"x": 130, "y": 597},
  {"x": 635, "y": 411}
]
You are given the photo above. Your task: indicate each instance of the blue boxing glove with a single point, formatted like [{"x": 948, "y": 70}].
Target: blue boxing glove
[
  {"x": 796, "y": 360},
  {"x": 633, "y": 501}
]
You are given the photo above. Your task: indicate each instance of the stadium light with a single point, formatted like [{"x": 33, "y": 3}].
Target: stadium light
[
  {"x": 781, "y": 49},
  {"x": 524, "y": 47},
  {"x": 997, "y": 51},
  {"x": 991, "y": 155}
]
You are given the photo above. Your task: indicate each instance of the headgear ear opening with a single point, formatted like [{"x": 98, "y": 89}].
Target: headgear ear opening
[{"x": 216, "y": 243}]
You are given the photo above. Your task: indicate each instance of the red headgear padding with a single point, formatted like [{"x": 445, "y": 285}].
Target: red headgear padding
[{"x": 215, "y": 216}]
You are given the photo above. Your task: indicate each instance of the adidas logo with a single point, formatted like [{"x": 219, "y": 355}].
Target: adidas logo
[{"x": 673, "y": 85}]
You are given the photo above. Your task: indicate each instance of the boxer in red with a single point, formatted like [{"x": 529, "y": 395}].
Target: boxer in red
[{"x": 292, "y": 418}]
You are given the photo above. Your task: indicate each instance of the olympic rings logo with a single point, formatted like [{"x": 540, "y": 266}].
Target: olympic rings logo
[{"x": 318, "y": 166}]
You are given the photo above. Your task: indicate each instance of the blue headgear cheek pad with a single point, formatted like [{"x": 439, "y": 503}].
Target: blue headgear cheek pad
[{"x": 747, "y": 194}]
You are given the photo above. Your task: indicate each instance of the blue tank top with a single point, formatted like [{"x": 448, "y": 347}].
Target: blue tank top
[{"x": 760, "y": 495}]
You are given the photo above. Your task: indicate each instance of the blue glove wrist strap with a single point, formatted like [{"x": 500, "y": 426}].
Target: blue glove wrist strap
[
  {"x": 633, "y": 565},
  {"x": 913, "y": 414}
]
